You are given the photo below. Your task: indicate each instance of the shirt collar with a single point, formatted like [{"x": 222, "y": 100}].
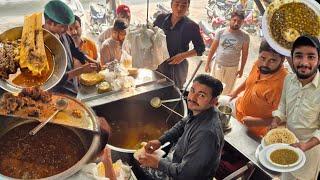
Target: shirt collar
[
  {"x": 201, "y": 115},
  {"x": 314, "y": 82},
  {"x": 273, "y": 76},
  {"x": 168, "y": 22}
]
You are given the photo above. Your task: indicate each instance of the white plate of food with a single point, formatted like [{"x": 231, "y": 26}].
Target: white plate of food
[
  {"x": 282, "y": 155},
  {"x": 275, "y": 164},
  {"x": 258, "y": 150},
  {"x": 278, "y": 135}
]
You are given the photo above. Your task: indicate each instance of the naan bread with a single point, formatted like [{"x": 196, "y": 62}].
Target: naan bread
[
  {"x": 32, "y": 53},
  {"x": 279, "y": 135}
]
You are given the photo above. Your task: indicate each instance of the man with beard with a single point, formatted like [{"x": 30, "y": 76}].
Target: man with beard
[
  {"x": 86, "y": 45},
  {"x": 229, "y": 44},
  {"x": 179, "y": 31},
  {"x": 299, "y": 106},
  {"x": 198, "y": 137},
  {"x": 262, "y": 91}
]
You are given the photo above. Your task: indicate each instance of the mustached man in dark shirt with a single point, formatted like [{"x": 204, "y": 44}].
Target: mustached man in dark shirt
[
  {"x": 180, "y": 31},
  {"x": 198, "y": 137}
]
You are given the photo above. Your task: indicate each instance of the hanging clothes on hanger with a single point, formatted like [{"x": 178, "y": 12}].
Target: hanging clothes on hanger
[{"x": 147, "y": 46}]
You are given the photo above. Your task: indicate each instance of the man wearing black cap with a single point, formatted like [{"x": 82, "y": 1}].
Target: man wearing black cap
[
  {"x": 58, "y": 16},
  {"x": 299, "y": 106}
]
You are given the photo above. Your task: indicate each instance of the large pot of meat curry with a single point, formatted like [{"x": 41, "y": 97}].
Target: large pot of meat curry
[{"x": 55, "y": 152}]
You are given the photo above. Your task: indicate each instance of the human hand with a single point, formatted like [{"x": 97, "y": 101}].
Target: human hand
[
  {"x": 104, "y": 126},
  {"x": 240, "y": 73},
  {"x": 232, "y": 95},
  {"x": 89, "y": 67},
  {"x": 208, "y": 67},
  {"x": 273, "y": 124},
  {"x": 177, "y": 59},
  {"x": 106, "y": 155},
  {"x": 300, "y": 145},
  {"x": 149, "y": 160},
  {"x": 152, "y": 146}
]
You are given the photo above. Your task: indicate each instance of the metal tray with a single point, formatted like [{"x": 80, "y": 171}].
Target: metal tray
[{"x": 146, "y": 80}]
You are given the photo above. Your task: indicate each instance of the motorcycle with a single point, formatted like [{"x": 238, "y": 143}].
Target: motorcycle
[
  {"x": 207, "y": 33},
  {"x": 221, "y": 8},
  {"x": 100, "y": 18},
  {"x": 160, "y": 9}
]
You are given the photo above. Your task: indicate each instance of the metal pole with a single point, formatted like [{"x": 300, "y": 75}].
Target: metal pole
[
  {"x": 147, "y": 12},
  {"x": 260, "y": 6},
  {"x": 185, "y": 89}
]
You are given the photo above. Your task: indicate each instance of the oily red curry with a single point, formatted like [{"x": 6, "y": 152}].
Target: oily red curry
[{"x": 51, "y": 151}]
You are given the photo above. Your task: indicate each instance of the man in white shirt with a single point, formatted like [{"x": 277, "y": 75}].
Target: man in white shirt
[{"x": 300, "y": 105}]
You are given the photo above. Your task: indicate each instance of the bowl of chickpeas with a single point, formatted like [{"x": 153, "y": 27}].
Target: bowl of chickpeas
[{"x": 285, "y": 20}]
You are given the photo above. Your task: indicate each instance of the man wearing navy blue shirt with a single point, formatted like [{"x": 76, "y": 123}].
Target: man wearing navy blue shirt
[{"x": 180, "y": 31}]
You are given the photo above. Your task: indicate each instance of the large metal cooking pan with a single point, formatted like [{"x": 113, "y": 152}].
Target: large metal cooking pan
[
  {"x": 137, "y": 113},
  {"x": 90, "y": 142},
  {"x": 57, "y": 50}
]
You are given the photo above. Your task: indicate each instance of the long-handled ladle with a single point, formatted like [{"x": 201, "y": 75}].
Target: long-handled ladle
[
  {"x": 156, "y": 102},
  {"x": 61, "y": 104}
]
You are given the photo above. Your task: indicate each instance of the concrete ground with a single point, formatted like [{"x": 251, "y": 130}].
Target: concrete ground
[{"x": 12, "y": 12}]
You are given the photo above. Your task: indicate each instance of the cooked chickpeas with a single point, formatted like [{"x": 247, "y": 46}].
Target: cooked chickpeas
[{"x": 295, "y": 16}]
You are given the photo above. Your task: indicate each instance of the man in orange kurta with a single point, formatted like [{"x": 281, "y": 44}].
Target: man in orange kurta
[
  {"x": 86, "y": 45},
  {"x": 262, "y": 91}
]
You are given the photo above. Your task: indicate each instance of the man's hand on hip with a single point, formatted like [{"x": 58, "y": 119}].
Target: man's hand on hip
[
  {"x": 240, "y": 73},
  {"x": 177, "y": 59}
]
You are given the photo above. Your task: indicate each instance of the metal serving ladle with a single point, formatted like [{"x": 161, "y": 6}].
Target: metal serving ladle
[
  {"x": 156, "y": 102},
  {"x": 61, "y": 104}
]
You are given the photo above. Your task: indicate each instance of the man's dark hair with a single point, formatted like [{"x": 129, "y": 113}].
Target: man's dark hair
[
  {"x": 306, "y": 40},
  {"x": 264, "y": 46},
  {"x": 215, "y": 84},
  {"x": 120, "y": 24},
  {"x": 238, "y": 13},
  {"x": 77, "y": 18},
  {"x": 188, "y": 2}
]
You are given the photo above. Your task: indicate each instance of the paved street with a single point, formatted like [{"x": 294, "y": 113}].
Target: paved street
[{"x": 12, "y": 12}]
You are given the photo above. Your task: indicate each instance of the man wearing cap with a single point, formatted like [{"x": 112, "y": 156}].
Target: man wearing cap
[
  {"x": 299, "y": 106},
  {"x": 123, "y": 12},
  {"x": 58, "y": 16},
  {"x": 179, "y": 31}
]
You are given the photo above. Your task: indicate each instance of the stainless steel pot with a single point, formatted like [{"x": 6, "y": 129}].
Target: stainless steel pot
[
  {"x": 90, "y": 142},
  {"x": 59, "y": 58}
]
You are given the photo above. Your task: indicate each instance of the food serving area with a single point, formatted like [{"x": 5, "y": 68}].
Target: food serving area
[{"x": 139, "y": 105}]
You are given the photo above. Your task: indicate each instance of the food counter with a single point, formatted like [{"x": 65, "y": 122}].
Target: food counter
[
  {"x": 145, "y": 81},
  {"x": 246, "y": 144}
]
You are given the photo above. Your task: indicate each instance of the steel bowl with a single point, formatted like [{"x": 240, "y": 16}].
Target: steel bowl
[
  {"x": 267, "y": 16},
  {"x": 57, "y": 50}
]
